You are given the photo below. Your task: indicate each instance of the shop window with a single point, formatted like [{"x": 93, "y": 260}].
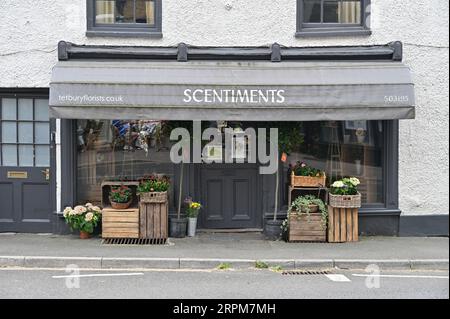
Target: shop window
[
  {"x": 124, "y": 18},
  {"x": 333, "y": 17},
  {"x": 346, "y": 148},
  {"x": 116, "y": 150}
]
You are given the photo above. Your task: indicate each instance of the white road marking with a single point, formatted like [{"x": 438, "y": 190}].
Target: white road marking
[
  {"x": 403, "y": 276},
  {"x": 338, "y": 278},
  {"x": 100, "y": 275}
]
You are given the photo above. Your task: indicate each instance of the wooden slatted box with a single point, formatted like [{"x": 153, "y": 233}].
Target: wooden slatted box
[
  {"x": 307, "y": 228},
  {"x": 342, "y": 225},
  {"x": 120, "y": 223},
  {"x": 154, "y": 220}
]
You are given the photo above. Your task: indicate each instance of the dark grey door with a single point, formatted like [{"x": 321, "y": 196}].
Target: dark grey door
[
  {"x": 229, "y": 195},
  {"x": 26, "y": 192}
]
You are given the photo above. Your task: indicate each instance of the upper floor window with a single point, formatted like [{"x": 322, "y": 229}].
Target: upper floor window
[
  {"x": 124, "y": 18},
  {"x": 333, "y": 17}
]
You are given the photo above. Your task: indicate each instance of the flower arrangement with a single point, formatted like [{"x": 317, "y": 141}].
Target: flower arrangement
[
  {"x": 120, "y": 194},
  {"x": 308, "y": 204},
  {"x": 192, "y": 208},
  {"x": 154, "y": 184},
  {"x": 83, "y": 217},
  {"x": 302, "y": 169},
  {"x": 345, "y": 186}
]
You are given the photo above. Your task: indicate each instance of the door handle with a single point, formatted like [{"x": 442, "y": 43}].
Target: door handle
[{"x": 46, "y": 173}]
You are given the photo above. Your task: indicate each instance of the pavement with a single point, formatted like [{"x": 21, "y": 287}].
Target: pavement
[
  {"x": 220, "y": 284},
  {"x": 237, "y": 250}
]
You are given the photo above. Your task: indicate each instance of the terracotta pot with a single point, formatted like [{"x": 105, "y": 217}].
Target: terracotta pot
[
  {"x": 312, "y": 209},
  {"x": 84, "y": 235},
  {"x": 115, "y": 205}
]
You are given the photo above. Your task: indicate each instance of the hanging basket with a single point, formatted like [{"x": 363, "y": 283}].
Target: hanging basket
[
  {"x": 345, "y": 201},
  {"x": 308, "y": 181},
  {"x": 153, "y": 197}
]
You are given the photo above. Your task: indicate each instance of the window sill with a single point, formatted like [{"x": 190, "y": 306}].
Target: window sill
[
  {"x": 124, "y": 34},
  {"x": 331, "y": 33}
]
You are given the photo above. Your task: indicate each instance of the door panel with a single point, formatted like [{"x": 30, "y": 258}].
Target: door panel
[
  {"x": 36, "y": 202},
  {"x": 241, "y": 199},
  {"x": 214, "y": 200},
  {"x": 228, "y": 193},
  {"x": 7, "y": 211},
  {"x": 26, "y": 181}
]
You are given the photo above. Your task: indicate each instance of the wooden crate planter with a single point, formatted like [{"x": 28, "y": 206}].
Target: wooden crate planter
[
  {"x": 342, "y": 224},
  {"x": 308, "y": 181},
  {"x": 154, "y": 220},
  {"x": 153, "y": 197},
  {"x": 306, "y": 228},
  {"x": 120, "y": 223},
  {"x": 106, "y": 189}
]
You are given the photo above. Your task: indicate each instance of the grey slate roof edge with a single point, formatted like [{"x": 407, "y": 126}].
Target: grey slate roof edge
[{"x": 276, "y": 53}]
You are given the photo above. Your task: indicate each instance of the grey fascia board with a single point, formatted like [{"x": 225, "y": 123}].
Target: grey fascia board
[{"x": 390, "y": 51}]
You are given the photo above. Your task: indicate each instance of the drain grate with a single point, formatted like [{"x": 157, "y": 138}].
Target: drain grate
[
  {"x": 134, "y": 241},
  {"x": 305, "y": 272}
]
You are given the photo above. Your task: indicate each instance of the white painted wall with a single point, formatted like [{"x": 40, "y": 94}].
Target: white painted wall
[{"x": 31, "y": 29}]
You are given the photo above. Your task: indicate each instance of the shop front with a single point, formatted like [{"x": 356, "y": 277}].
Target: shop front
[{"x": 336, "y": 109}]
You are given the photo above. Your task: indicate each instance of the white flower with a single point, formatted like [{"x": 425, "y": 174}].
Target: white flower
[
  {"x": 338, "y": 184},
  {"x": 72, "y": 213},
  {"x": 354, "y": 181},
  {"x": 89, "y": 217},
  {"x": 88, "y": 205},
  {"x": 65, "y": 213},
  {"x": 80, "y": 210},
  {"x": 95, "y": 208},
  {"x": 67, "y": 209}
]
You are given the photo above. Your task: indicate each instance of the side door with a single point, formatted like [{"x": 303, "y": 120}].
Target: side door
[{"x": 26, "y": 177}]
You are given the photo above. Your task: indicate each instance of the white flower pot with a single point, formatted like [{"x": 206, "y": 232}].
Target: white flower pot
[
  {"x": 192, "y": 226},
  {"x": 360, "y": 138}
]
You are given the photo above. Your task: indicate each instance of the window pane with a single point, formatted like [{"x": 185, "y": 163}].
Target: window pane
[
  {"x": 124, "y": 11},
  {"x": 350, "y": 11},
  {"x": 8, "y": 109},
  {"x": 345, "y": 148},
  {"x": 114, "y": 150},
  {"x": 41, "y": 133},
  {"x": 41, "y": 110},
  {"x": 104, "y": 12},
  {"x": 331, "y": 11},
  {"x": 9, "y": 132},
  {"x": 9, "y": 155},
  {"x": 145, "y": 11},
  {"x": 42, "y": 156},
  {"x": 25, "y": 155},
  {"x": 311, "y": 11},
  {"x": 25, "y": 132},
  {"x": 26, "y": 109}
]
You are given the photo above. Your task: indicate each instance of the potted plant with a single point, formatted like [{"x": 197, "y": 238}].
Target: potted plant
[
  {"x": 83, "y": 218},
  {"x": 153, "y": 189},
  {"x": 120, "y": 197},
  {"x": 192, "y": 210},
  {"x": 307, "y": 219},
  {"x": 360, "y": 135},
  {"x": 344, "y": 200},
  {"x": 304, "y": 175},
  {"x": 344, "y": 193}
]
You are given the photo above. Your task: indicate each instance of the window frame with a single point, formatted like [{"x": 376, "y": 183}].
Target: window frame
[
  {"x": 334, "y": 29},
  {"x": 123, "y": 29}
]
